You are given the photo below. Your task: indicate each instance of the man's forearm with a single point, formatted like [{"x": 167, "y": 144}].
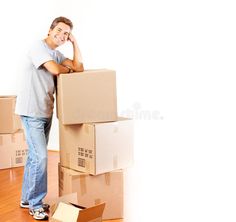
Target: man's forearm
[
  {"x": 55, "y": 68},
  {"x": 77, "y": 58},
  {"x": 62, "y": 69}
]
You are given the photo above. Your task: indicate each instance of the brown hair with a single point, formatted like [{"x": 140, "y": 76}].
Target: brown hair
[{"x": 61, "y": 19}]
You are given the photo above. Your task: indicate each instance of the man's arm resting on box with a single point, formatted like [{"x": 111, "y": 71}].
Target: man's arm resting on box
[
  {"x": 55, "y": 68},
  {"x": 76, "y": 68},
  {"x": 76, "y": 64}
]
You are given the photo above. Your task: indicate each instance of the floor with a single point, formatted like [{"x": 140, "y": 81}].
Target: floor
[{"x": 10, "y": 191}]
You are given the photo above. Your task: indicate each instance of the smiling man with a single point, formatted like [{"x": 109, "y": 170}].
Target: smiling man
[{"x": 35, "y": 103}]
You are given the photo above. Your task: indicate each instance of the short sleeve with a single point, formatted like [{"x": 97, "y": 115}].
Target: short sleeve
[
  {"x": 39, "y": 55},
  {"x": 61, "y": 57}
]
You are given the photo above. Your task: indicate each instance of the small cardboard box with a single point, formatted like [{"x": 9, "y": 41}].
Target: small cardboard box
[
  {"x": 9, "y": 121},
  {"x": 97, "y": 148},
  {"x": 13, "y": 150},
  {"x": 86, "y": 97},
  {"x": 92, "y": 190},
  {"x": 66, "y": 209}
]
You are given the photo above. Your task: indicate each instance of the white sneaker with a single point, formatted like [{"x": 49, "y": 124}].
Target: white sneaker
[{"x": 39, "y": 214}]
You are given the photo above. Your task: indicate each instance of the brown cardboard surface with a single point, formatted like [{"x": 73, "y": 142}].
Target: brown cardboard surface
[
  {"x": 97, "y": 148},
  {"x": 85, "y": 214},
  {"x": 93, "y": 190},
  {"x": 88, "y": 96},
  {"x": 13, "y": 149},
  {"x": 10, "y": 122}
]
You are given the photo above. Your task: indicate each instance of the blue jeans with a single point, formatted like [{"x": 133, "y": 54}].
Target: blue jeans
[{"x": 34, "y": 187}]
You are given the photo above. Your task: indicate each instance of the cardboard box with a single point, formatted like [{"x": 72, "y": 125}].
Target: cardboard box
[
  {"x": 66, "y": 209},
  {"x": 97, "y": 148},
  {"x": 86, "y": 97},
  {"x": 13, "y": 150},
  {"x": 93, "y": 190},
  {"x": 9, "y": 121}
]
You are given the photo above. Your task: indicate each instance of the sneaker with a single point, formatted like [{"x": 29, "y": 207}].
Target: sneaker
[
  {"x": 26, "y": 205},
  {"x": 39, "y": 214}
]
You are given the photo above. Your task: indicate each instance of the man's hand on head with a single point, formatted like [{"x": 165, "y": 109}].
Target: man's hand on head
[{"x": 71, "y": 38}]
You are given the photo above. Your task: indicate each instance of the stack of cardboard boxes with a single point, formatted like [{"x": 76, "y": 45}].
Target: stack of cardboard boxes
[
  {"x": 95, "y": 144},
  {"x": 13, "y": 147}
]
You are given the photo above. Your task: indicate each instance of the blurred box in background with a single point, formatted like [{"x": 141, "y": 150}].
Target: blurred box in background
[
  {"x": 9, "y": 121},
  {"x": 13, "y": 150}
]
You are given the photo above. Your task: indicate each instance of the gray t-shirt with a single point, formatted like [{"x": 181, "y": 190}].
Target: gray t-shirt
[{"x": 35, "y": 98}]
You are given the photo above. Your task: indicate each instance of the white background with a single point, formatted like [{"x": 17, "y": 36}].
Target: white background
[{"x": 175, "y": 63}]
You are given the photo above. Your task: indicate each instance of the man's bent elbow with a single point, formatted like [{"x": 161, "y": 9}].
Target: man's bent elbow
[
  {"x": 80, "y": 68},
  {"x": 52, "y": 68},
  {"x": 55, "y": 72}
]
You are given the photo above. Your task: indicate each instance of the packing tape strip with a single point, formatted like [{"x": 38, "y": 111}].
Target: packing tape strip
[
  {"x": 13, "y": 138},
  {"x": 22, "y": 136},
  {"x": 107, "y": 179},
  {"x": 83, "y": 188},
  {"x": 76, "y": 177},
  {"x": 97, "y": 201},
  {"x": 61, "y": 174},
  {"x": 115, "y": 161},
  {"x": 13, "y": 107},
  {"x": 61, "y": 180},
  {"x": 87, "y": 166},
  {"x": 86, "y": 128},
  {"x": 115, "y": 129},
  {"x": 68, "y": 160}
]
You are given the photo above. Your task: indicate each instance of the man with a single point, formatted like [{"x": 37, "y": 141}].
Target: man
[{"x": 35, "y": 106}]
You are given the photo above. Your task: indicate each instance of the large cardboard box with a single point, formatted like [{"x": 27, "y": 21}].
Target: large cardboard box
[
  {"x": 93, "y": 190},
  {"x": 86, "y": 97},
  {"x": 13, "y": 150},
  {"x": 9, "y": 121},
  {"x": 66, "y": 209},
  {"x": 97, "y": 148}
]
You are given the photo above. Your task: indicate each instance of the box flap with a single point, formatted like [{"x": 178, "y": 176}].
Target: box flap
[
  {"x": 66, "y": 209},
  {"x": 66, "y": 213},
  {"x": 91, "y": 214}
]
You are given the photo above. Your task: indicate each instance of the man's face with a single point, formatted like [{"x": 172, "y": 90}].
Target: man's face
[{"x": 60, "y": 34}]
